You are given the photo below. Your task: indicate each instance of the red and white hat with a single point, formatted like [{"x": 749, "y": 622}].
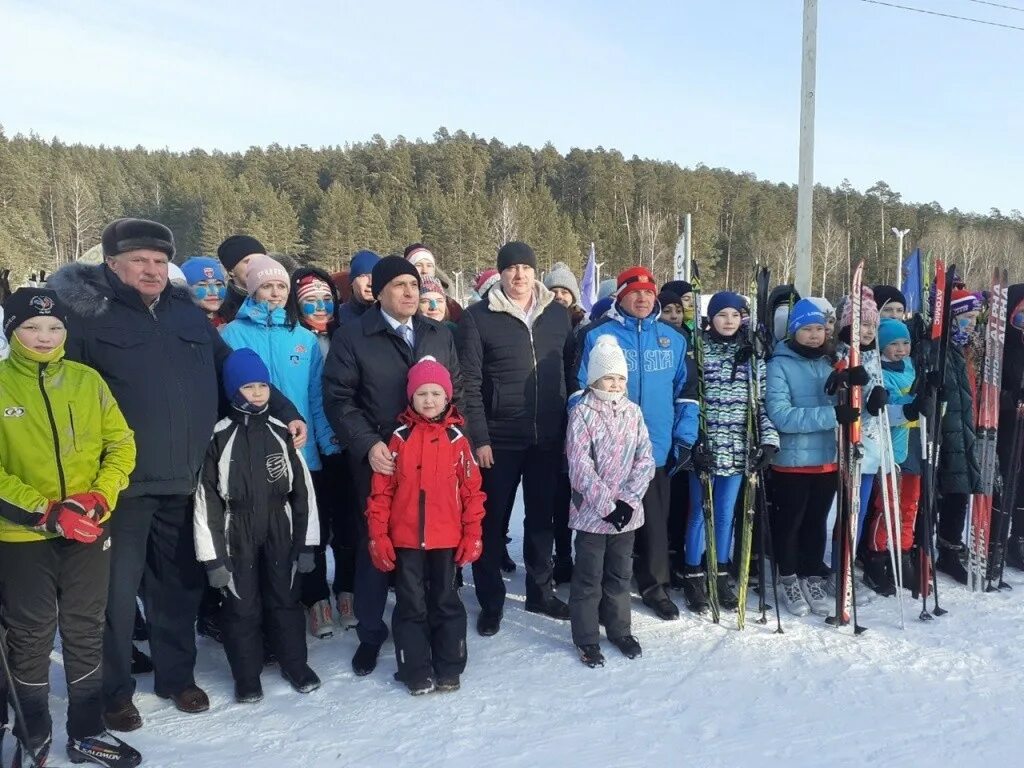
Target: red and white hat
[{"x": 635, "y": 279}]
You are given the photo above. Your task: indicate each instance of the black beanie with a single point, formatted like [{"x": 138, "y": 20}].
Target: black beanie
[
  {"x": 516, "y": 253},
  {"x": 236, "y": 248},
  {"x": 387, "y": 269},
  {"x": 26, "y": 303},
  {"x": 123, "y": 235},
  {"x": 888, "y": 294},
  {"x": 679, "y": 287}
]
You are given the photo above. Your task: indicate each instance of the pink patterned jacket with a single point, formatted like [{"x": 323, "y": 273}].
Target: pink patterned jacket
[{"x": 610, "y": 458}]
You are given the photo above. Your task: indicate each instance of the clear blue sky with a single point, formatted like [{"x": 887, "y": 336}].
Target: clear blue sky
[{"x": 934, "y": 107}]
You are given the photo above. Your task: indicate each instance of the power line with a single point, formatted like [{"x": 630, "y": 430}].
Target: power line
[
  {"x": 998, "y": 5},
  {"x": 944, "y": 15}
]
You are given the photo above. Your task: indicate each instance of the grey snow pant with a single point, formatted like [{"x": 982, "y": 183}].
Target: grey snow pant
[{"x": 600, "y": 586}]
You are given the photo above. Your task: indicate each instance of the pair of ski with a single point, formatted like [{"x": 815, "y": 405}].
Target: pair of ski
[
  {"x": 987, "y": 423},
  {"x": 754, "y": 499}
]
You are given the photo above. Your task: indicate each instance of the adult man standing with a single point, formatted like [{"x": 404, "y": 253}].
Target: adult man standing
[
  {"x": 161, "y": 358},
  {"x": 516, "y": 351},
  {"x": 364, "y": 394},
  {"x": 360, "y": 276},
  {"x": 658, "y": 383}
]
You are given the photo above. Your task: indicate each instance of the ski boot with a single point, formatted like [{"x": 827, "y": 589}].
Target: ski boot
[
  {"x": 694, "y": 589},
  {"x": 877, "y": 573},
  {"x": 911, "y": 572},
  {"x": 950, "y": 560},
  {"x": 104, "y": 749},
  {"x": 628, "y": 645},
  {"x": 727, "y": 599}
]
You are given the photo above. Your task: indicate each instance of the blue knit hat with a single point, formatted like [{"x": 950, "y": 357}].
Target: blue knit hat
[
  {"x": 805, "y": 312},
  {"x": 890, "y": 330},
  {"x": 200, "y": 268},
  {"x": 362, "y": 264},
  {"x": 600, "y": 307},
  {"x": 725, "y": 300},
  {"x": 243, "y": 366}
]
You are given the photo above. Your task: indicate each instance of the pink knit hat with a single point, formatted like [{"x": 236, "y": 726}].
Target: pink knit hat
[
  {"x": 868, "y": 309},
  {"x": 485, "y": 280},
  {"x": 263, "y": 269},
  {"x": 429, "y": 371}
]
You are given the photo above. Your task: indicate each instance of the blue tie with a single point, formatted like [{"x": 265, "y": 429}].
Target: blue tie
[{"x": 406, "y": 334}]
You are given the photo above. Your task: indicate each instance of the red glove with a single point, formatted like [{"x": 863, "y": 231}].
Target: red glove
[
  {"x": 93, "y": 504},
  {"x": 382, "y": 553},
  {"x": 469, "y": 549},
  {"x": 66, "y": 519}
]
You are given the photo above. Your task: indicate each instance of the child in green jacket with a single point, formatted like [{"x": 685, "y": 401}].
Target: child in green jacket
[{"x": 65, "y": 454}]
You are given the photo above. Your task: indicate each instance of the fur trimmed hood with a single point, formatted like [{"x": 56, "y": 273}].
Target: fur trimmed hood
[{"x": 87, "y": 289}]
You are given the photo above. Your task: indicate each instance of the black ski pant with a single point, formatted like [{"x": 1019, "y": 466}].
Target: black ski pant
[
  {"x": 600, "y": 586},
  {"x": 429, "y": 621},
  {"x": 952, "y": 517},
  {"x": 45, "y": 586},
  {"x": 678, "y": 514},
  {"x": 153, "y": 546},
  {"x": 563, "y": 536},
  {"x": 651, "y": 567},
  {"x": 538, "y": 469},
  {"x": 263, "y": 597},
  {"x": 1010, "y": 473},
  {"x": 339, "y": 507},
  {"x": 371, "y": 586},
  {"x": 799, "y": 521}
]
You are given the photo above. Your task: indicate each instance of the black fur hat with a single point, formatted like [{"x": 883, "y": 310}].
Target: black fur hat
[{"x": 130, "y": 234}]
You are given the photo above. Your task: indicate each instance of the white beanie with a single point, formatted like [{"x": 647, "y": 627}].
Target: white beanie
[
  {"x": 823, "y": 304},
  {"x": 175, "y": 275},
  {"x": 606, "y": 358},
  {"x": 416, "y": 255},
  {"x": 781, "y": 322}
]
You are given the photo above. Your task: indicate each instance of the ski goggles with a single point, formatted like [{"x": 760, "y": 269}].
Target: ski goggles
[
  {"x": 311, "y": 307},
  {"x": 204, "y": 291}
]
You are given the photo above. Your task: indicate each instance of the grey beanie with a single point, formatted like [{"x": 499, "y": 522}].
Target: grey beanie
[
  {"x": 561, "y": 276},
  {"x": 606, "y": 288}
]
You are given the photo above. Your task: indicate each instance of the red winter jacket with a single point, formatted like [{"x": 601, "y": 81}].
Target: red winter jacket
[{"x": 433, "y": 499}]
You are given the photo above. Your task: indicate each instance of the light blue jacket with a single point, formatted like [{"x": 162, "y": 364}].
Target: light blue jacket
[
  {"x": 798, "y": 406},
  {"x": 296, "y": 368},
  {"x": 657, "y": 381}
]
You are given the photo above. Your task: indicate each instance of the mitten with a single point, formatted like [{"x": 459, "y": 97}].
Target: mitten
[
  {"x": 382, "y": 553},
  {"x": 877, "y": 400},
  {"x": 70, "y": 521},
  {"x": 305, "y": 562},
  {"x": 846, "y": 414},
  {"x": 620, "y": 516},
  {"x": 219, "y": 577},
  {"x": 471, "y": 546}
]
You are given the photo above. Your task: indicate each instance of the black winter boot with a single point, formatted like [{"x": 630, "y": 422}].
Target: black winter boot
[
  {"x": 950, "y": 560},
  {"x": 877, "y": 573},
  {"x": 911, "y": 572},
  {"x": 727, "y": 599},
  {"x": 694, "y": 589}
]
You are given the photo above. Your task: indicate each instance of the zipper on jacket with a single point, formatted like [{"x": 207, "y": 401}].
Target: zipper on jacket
[
  {"x": 640, "y": 363},
  {"x": 423, "y": 519},
  {"x": 536, "y": 386},
  {"x": 53, "y": 429},
  {"x": 74, "y": 434}
]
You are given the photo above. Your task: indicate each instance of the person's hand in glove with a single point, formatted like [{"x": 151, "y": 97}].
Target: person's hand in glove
[
  {"x": 620, "y": 516},
  {"x": 846, "y": 414},
  {"x": 703, "y": 458},
  {"x": 382, "y": 553},
  {"x": 471, "y": 546},
  {"x": 682, "y": 459},
  {"x": 219, "y": 577},
  {"x": 93, "y": 504},
  {"x": 761, "y": 458},
  {"x": 305, "y": 563},
  {"x": 70, "y": 521},
  {"x": 848, "y": 377},
  {"x": 877, "y": 400},
  {"x": 922, "y": 405}
]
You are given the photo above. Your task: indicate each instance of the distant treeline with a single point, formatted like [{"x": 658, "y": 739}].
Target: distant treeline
[{"x": 464, "y": 196}]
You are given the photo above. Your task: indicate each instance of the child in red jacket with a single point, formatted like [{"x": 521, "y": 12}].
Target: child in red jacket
[{"x": 426, "y": 518}]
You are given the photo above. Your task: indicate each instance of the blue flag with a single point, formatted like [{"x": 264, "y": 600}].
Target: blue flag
[
  {"x": 589, "y": 286},
  {"x": 913, "y": 284}
]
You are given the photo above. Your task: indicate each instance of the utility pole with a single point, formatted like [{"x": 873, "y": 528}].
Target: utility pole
[
  {"x": 805, "y": 189},
  {"x": 900, "y": 234}
]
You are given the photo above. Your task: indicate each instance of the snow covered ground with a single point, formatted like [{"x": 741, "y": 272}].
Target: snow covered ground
[{"x": 949, "y": 692}]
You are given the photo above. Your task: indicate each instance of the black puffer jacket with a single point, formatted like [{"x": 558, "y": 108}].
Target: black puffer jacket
[
  {"x": 958, "y": 461},
  {"x": 233, "y": 301},
  {"x": 162, "y": 367},
  {"x": 365, "y": 375},
  {"x": 515, "y": 374}
]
